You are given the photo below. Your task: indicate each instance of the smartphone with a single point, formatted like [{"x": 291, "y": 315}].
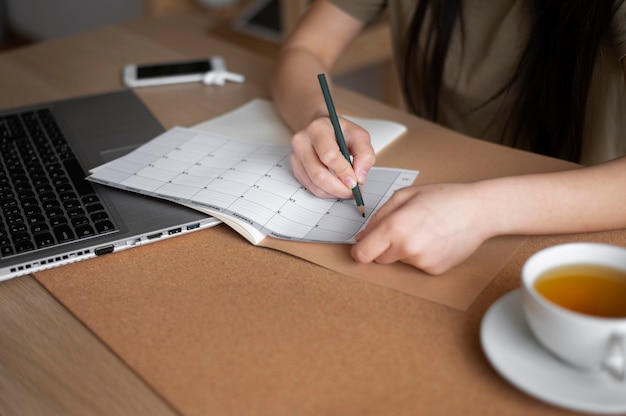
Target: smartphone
[{"x": 144, "y": 75}]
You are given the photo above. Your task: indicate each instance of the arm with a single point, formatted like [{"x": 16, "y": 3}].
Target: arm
[
  {"x": 313, "y": 48},
  {"x": 435, "y": 227}
]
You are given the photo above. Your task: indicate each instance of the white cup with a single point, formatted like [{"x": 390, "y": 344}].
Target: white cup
[{"x": 584, "y": 341}]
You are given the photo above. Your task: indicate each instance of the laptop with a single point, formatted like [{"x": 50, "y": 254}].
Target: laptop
[{"x": 49, "y": 214}]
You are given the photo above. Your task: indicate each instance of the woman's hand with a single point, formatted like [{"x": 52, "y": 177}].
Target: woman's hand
[
  {"x": 435, "y": 227},
  {"x": 319, "y": 165},
  {"x": 431, "y": 227}
]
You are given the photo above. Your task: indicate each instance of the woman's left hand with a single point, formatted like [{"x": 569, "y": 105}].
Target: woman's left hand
[{"x": 431, "y": 227}]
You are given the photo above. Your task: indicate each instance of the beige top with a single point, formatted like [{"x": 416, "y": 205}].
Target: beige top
[{"x": 494, "y": 39}]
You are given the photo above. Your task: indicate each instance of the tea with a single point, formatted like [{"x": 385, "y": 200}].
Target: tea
[{"x": 588, "y": 289}]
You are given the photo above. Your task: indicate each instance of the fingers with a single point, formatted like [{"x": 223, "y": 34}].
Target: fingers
[
  {"x": 432, "y": 228},
  {"x": 375, "y": 242},
  {"x": 387, "y": 245},
  {"x": 398, "y": 199},
  {"x": 363, "y": 156},
  {"x": 329, "y": 188},
  {"x": 313, "y": 173},
  {"x": 381, "y": 239},
  {"x": 320, "y": 166}
]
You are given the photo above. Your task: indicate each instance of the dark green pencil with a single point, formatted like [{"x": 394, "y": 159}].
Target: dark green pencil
[{"x": 356, "y": 191}]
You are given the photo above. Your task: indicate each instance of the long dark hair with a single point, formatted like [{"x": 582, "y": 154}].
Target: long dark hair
[{"x": 552, "y": 79}]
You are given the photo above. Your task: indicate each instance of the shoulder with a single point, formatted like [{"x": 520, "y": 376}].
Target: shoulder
[{"x": 364, "y": 10}]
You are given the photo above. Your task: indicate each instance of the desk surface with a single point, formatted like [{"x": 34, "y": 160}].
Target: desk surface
[{"x": 108, "y": 336}]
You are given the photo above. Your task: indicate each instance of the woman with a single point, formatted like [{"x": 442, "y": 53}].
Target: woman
[{"x": 543, "y": 77}]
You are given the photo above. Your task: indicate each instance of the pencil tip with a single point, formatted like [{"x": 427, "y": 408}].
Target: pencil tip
[{"x": 362, "y": 210}]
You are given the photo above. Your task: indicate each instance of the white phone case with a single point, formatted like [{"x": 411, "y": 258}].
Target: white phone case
[{"x": 129, "y": 73}]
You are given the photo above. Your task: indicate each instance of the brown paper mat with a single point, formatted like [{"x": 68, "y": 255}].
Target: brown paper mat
[
  {"x": 457, "y": 288},
  {"x": 218, "y": 326}
]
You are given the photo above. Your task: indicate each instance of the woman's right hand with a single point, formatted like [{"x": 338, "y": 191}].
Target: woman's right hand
[{"x": 319, "y": 165}]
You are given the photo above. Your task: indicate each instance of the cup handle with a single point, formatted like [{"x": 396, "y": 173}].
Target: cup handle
[{"x": 615, "y": 358}]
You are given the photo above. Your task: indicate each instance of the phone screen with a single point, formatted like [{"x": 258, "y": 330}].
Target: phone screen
[{"x": 173, "y": 69}]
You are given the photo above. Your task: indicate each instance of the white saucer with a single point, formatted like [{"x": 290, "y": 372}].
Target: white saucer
[{"x": 517, "y": 356}]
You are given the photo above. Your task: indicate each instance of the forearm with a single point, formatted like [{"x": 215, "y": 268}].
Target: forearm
[
  {"x": 295, "y": 90},
  {"x": 314, "y": 47},
  {"x": 579, "y": 200}
]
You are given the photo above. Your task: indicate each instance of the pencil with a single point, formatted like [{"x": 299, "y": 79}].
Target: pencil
[{"x": 356, "y": 191}]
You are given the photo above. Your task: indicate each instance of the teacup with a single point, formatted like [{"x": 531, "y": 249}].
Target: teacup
[{"x": 574, "y": 300}]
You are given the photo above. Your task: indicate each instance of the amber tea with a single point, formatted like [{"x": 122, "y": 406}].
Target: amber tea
[{"x": 589, "y": 289}]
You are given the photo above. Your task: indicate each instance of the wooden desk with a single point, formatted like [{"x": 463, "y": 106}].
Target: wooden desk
[{"x": 294, "y": 339}]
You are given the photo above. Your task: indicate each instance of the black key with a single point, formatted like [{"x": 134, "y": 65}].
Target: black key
[
  {"x": 94, "y": 207},
  {"x": 76, "y": 212},
  {"x": 35, "y": 169},
  {"x": 35, "y": 218},
  {"x": 24, "y": 246},
  {"x": 39, "y": 227},
  {"x": 32, "y": 210},
  {"x": 47, "y": 155},
  {"x": 20, "y": 227},
  {"x": 47, "y": 196},
  {"x": 54, "y": 221},
  {"x": 21, "y": 187},
  {"x": 90, "y": 199},
  {"x": 76, "y": 221},
  {"x": 6, "y": 194},
  {"x": 66, "y": 196},
  {"x": 43, "y": 187},
  {"x": 40, "y": 181},
  {"x": 54, "y": 212},
  {"x": 54, "y": 167},
  {"x": 44, "y": 240},
  {"x": 60, "y": 180},
  {"x": 17, "y": 171},
  {"x": 20, "y": 179},
  {"x": 13, "y": 210},
  {"x": 20, "y": 236},
  {"x": 85, "y": 231},
  {"x": 104, "y": 226},
  {"x": 71, "y": 203},
  {"x": 6, "y": 251},
  {"x": 30, "y": 202},
  {"x": 8, "y": 202},
  {"x": 25, "y": 194},
  {"x": 64, "y": 187},
  {"x": 63, "y": 233},
  {"x": 14, "y": 219},
  {"x": 51, "y": 203},
  {"x": 58, "y": 176},
  {"x": 99, "y": 216}
]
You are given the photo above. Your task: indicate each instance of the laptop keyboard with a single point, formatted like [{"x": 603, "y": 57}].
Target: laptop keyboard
[{"x": 44, "y": 198}]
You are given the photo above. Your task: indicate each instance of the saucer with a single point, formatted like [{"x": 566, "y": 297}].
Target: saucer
[{"x": 515, "y": 353}]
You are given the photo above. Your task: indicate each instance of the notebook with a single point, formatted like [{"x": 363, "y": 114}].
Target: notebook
[
  {"x": 258, "y": 120},
  {"x": 50, "y": 215}
]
